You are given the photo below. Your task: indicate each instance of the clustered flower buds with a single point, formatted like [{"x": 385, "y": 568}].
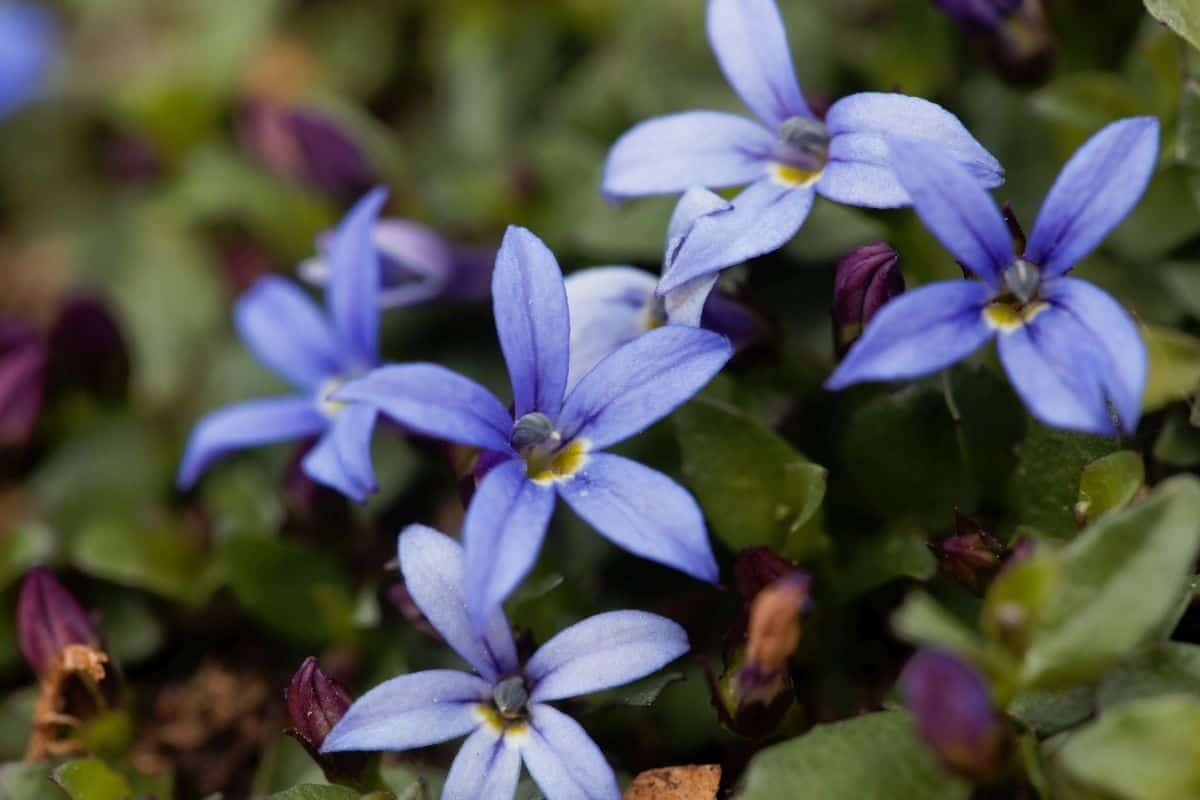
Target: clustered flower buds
[
  {"x": 865, "y": 280},
  {"x": 970, "y": 553}
]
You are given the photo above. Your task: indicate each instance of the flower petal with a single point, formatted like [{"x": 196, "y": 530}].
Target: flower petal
[
  {"x": 433, "y": 401},
  {"x": 287, "y": 333},
  {"x": 685, "y": 304},
  {"x": 432, "y": 565},
  {"x": 563, "y": 760},
  {"x": 917, "y": 333},
  {"x": 342, "y": 458},
  {"x": 603, "y": 651},
  {"x": 859, "y": 173},
  {"x": 29, "y": 47},
  {"x": 695, "y": 203},
  {"x": 641, "y": 383},
  {"x": 670, "y": 154},
  {"x": 502, "y": 534},
  {"x": 751, "y": 46},
  {"x": 954, "y": 207},
  {"x": 1058, "y": 368},
  {"x": 875, "y": 115},
  {"x": 1097, "y": 189},
  {"x": 353, "y": 293},
  {"x": 487, "y": 766},
  {"x": 609, "y": 307},
  {"x": 532, "y": 321},
  {"x": 414, "y": 710},
  {"x": 642, "y": 511},
  {"x": 1117, "y": 333},
  {"x": 255, "y": 422},
  {"x": 764, "y": 217}
]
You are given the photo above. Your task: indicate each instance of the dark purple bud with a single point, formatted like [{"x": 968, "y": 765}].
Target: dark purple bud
[
  {"x": 978, "y": 16},
  {"x": 49, "y": 619},
  {"x": 133, "y": 160},
  {"x": 88, "y": 349},
  {"x": 315, "y": 703},
  {"x": 970, "y": 553},
  {"x": 756, "y": 568},
  {"x": 731, "y": 319},
  {"x": 22, "y": 381},
  {"x": 307, "y": 146},
  {"x": 955, "y": 715},
  {"x": 865, "y": 280},
  {"x": 1015, "y": 33}
]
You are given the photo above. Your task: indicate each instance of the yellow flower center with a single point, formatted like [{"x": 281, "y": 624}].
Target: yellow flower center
[
  {"x": 1006, "y": 318},
  {"x": 559, "y": 465},
  {"x": 788, "y": 175}
]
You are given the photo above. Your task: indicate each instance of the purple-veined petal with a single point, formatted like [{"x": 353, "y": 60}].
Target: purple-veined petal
[
  {"x": 670, "y": 154},
  {"x": 533, "y": 322},
  {"x": 1097, "y": 189},
  {"x": 890, "y": 114},
  {"x": 642, "y": 511},
  {"x": 859, "y": 173},
  {"x": 609, "y": 307},
  {"x": 917, "y": 333},
  {"x": 765, "y": 215},
  {"x": 695, "y": 203},
  {"x": 641, "y": 383},
  {"x": 432, "y": 565},
  {"x": 685, "y": 303},
  {"x": 563, "y": 760},
  {"x": 955, "y": 208},
  {"x": 502, "y": 534},
  {"x": 248, "y": 424},
  {"x": 603, "y": 651},
  {"x": 1058, "y": 368},
  {"x": 287, "y": 333},
  {"x": 487, "y": 766},
  {"x": 751, "y": 46},
  {"x": 28, "y": 48},
  {"x": 414, "y": 710},
  {"x": 1117, "y": 333},
  {"x": 342, "y": 458},
  {"x": 433, "y": 401},
  {"x": 353, "y": 293}
]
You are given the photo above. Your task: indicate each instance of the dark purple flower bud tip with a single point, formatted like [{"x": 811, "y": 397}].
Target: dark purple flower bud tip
[
  {"x": 758, "y": 567},
  {"x": 88, "y": 349},
  {"x": 23, "y": 358},
  {"x": 865, "y": 280},
  {"x": 315, "y": 703},
  {"x": 978, "y": 16},
  {"x": 50, "y": 619},
  {"x": 954, "y": 714},
  {"x": 970, "y": 553}
]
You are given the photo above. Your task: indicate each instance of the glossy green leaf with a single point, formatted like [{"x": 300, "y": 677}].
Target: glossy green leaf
[
  {"x": 1109, "y": 483},
  {"x": 1174, "y": 366},
  {"x": 312, "y": 791},
  {"x": 1180, "y": 16},
  {"x": 92, "y": 779},
  {"x": 159, "y": 559},
  {"x": 19, "y": 781},
  {"x": 1045, "y": 486},
  {"x": 899, "y": 552},
  {"x": 1162, "y": 668}
]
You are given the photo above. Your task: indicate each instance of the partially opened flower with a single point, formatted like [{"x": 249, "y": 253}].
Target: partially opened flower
[
  {"x": 786, "y": 156},
  {"x": 315, "y": 352},
  {"x": 503, "y": 708},
  {"x": 552, "y": 443},
  {"x": 416, "y": 265},
  {"x": 1073, "y": 354},
  {"x": 611, "y": 306},
  {"x": 28, "y": 44}
]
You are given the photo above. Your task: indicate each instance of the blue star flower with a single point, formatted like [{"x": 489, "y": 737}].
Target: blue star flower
[
  {"x": 315, "y": 353},
  {"x": 504, "y": 708},
  {"x": 553, "y": 444},
  {"x": 1072, "y": 353},
  {"x": 785, "y": 156},
  {"x": 28, "y": 45}
]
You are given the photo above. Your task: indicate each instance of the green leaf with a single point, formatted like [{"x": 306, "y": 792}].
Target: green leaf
[
  {"x": 1109, "y": 483},
  {"x": 1144, "y": 750},
  {"x": 1174, "y": 366},
  {"x": 92, "y": 779},
  {"x": 921, "y": 620},
  {"x": 1178, "y": 443},
  {"x": 830, "y": 762},
  {"x": 161, "y": 559},
  {"x": 1048, "y": 713},
  {"x": 1045, "y": 486},
  {"x": 312, "y": 791},
  {"x": 28, "y": 782},
  {"x": 640, "y": 694},
  {"x": 1180, "y": 16},
  {"x": 754, "y": 487},
  {"x": 1118, "y": 581},
  {"x": 1018, "y": 597},
  {"x": 24, "y": 546},
  {"x": 1163, "y": 668},
  {"x": 898, "y": 552}
]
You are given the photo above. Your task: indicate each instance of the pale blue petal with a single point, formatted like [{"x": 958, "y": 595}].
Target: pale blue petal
[
  {"x": 432, "y": 565},
  {"x": 603, "y": 651},
  {"x": 433, "y": 401},
  {"x": 342, "y": 458},
  {"x": 502, "y": 534},
  {"x": 1058, "y": 369},
  {"x": 955, "y": 208},
  {"x": 641, "y": 383},
  {"x": 642, "y": 511},
  {"x": 670, "y": 154},
  {"x": 859, "y": 173},
  {"x": 532, "y": 321},
  {"x": 764, "y": 217},
  {"x": 255, "y": 422},
  {"x": 917, "y": 333},
  {"x": 563, "y": 760},
  {"x": 323, "y": 464},
  {"x": 287, "y": 333},
  {"x": 695, "y": 203},
  {"x": 609, "y": 306},
  {"x": 751, "y": 46},
  {"x": 414, "y": 710},
  {"x": 486, "y": 768},
  {"x": 28, "y": 48},
  {"x": 353, "y": 293},
  {"x": 1117, "y": 333},
  {"x": 1097, "y": 189}
]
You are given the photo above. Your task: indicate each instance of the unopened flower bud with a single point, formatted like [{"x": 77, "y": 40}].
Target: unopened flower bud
[
  {"x": 970, "y": 553},
  {"x": 954, "y": 713},
  {"x": 49, "y": 620},
  {"x": 757, "y": 568},
  {"x": 978, "y": 16},
  {"x": 88, "y": 349},
  {"x": 22, "y": 381},
  {"x": 1015, "y": 33},
  {"x": 865, "y": 280},
  {"x": 315, "y": 703}
]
